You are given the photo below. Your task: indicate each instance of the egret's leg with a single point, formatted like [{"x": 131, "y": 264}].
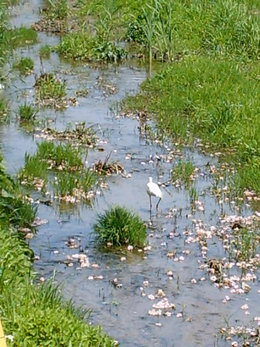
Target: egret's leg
[
  {"x": 158, "y": 204},
  {"x": 150, "y": 202}
]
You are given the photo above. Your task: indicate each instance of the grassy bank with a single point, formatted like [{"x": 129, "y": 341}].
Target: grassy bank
[
  {"x": 214, "y": 99},
  {"x": 33, "y": 313}
]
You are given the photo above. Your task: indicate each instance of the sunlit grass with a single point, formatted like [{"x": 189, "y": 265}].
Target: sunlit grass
[
  {"x": 25, "y": 66},
  {"x": 48, "y": 86},
  {"x": 120, "y": 226},
  {"x": 183, "y": 172},
  {"x": 26, "y": 113},
  {"x": 45, "y": 51}
]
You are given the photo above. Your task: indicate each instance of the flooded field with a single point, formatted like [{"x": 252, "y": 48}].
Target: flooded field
[{"x": 166, "y": 294}]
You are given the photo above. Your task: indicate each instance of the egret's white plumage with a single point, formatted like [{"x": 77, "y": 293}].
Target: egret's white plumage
[{"x": 154, "y": 190}]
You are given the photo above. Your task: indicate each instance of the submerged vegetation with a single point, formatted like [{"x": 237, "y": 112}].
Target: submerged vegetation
[
  {"x": 50, "y": 91},
  {"x": 25, "y": 66},
  {"x": 119, "y": 226}
]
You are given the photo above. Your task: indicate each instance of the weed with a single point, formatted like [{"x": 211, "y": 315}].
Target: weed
[
  {"x": 4, "y": 109},
  {"x": 22, "y": 37},
  {"x": 183, "y": 172},
  {"x": 45, "y": 51},
  {"x": 244, "y": 244},
  {"x": 34, "y": 172},
  {"x": 79, "y": 135},
  {"x": 49, "y": 88},
  {"x": 25, "y": 66},
  {"x": 27, "y": 113},
  {"x": 81, "y": 46},
  {"x": 57, "y": 9},
  {"x": 120, "y": 226},
  {"x": 61, "y": 156}
]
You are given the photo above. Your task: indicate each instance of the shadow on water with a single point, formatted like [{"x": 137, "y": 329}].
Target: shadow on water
[{"x": 123, "y": 310}]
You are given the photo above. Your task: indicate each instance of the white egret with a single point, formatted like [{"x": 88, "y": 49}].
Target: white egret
[{"x": 154, "y": 190}]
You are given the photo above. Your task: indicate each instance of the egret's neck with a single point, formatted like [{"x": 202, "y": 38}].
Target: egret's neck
[{"x": 150, "y": 179}]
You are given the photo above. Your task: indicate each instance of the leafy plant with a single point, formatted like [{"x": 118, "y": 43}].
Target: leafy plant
[
  {"x": 45, "y": 51},
  {"x": 27, "y": 113},
  {"x": 120, "y": 226},
  {"x": 50, "y": 87},
  {"x": 25, "y": 66},
  {"x": 183, "y": 172}
]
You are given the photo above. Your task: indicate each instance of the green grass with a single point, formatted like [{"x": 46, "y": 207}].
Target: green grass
[
  {"x": 45, "y": 51},
  {"x": 27, "y": 113},
  {"x": 33, "y": 313},
  {"x": 4, "y": 109},
  {"x": 25, "y": 66},
  {"x": 82, "y": 46},
  {"x": 243, "y": 244},
  {"x": 21, "y": 36},
  {"x": 211, "y": 98},
  {"x": 75, "y": 184},
  {"x": 62, "y": 156},
  {"x": 183, "y": 172},
  {"x": 48, "y": 86},
  {"x": 34, "y": 169},
  {"x": 120, "y": 226},
  {"x": 57, "y": 9}
]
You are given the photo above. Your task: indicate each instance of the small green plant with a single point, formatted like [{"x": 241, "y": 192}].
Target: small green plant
[
  {"x": 82, "y": 46},
  {"x": 27, "y": 113},
  {"x": 4, "y": 109},
  {"x": 120, "y": 226},
  {"x": 45, "y": 51},
  {"x": 22, "y": 37},
  {"x": 34, "y": 171},
  {"x": 183, "y": 172},
  {"x": 57, "y": 9},
  {"x": 50, "y": 87},
  {"x": 25, "y": 66},
  {"x": 61, "y": 156},
  {"x": 244, "y": 244}
]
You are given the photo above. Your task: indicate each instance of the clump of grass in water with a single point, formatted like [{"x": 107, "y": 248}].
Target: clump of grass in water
[
  {"x": 25, "y": 66},
  {"x": 27, "y": 113},
  {"x": 61, "y": 156},
  {"x": 120, "y": 226},
  {"x": 4, "y": 110},
  {"x": 49, "y": 87},
  {"x": 74, "y": 184},
  {"x": 34, "y": 172},
  {"x": 244, "y": 244},
  {"x": 45, "y": 51},
  {"x": 183, "y": 172},
  {"x": 81, "y": 46},
  {"x": 21, "y": 37}
]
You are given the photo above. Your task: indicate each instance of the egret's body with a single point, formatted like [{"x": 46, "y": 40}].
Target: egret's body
[{"x": 154, "y": 190}]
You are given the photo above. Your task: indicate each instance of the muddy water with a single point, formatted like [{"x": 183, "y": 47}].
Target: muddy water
[{"x": 123, "y": 312}]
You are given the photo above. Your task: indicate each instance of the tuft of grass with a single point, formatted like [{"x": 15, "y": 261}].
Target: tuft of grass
[
  {"x": 25, "y": 66},
  {"x": 244, "y": 244},
  {"x": 27, "y": 113},
  {"x": 50, "y": 87},
  {"x": 61, "y": 156},
  {"x": 120, "y": 226},
  {"x": 21, "y": 37},
  {"x": 183, "y": 172},
  {"x": 34, "y": 171},
  {"x": 81, "y": 46},
  {"x": 75, "y": 184},
  {"x": 45, "y": 51},
  {"x": 57, "y": 9},
  {"x": 4, "y": 110}
]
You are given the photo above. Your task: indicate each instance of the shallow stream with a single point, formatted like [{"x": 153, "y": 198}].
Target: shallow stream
[{"x": 123, "y": 310}]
